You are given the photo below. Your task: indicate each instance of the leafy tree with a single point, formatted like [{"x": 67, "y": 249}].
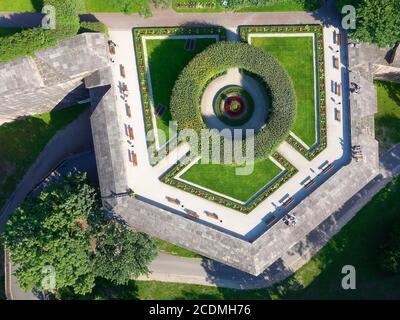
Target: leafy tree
[
  {"x": 389, "y": 254},
  {"x": 64, "y": 227},
  {"x": 51, "y": 229},
  {"x": 377, "y": 21},
  {"x": 121, "y": 254}
]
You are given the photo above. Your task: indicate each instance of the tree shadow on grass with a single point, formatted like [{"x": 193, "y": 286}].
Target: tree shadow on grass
[
  {"x": 22, "y": 140},
  {"x": 392, "y": 89}
]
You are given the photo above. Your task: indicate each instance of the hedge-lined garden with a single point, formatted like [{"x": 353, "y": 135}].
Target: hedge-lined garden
[
  {"x": 186, "y": 95},
  {"x": 321, "y": 116},
  {"x": 28, "y": 41},
  {"x": 140, "y": 58},
  {"x": 169, "y": 178}
]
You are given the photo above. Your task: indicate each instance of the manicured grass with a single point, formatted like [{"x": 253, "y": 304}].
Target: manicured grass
[
  {"x": 167, "y": 58},
  {"x": 356, "y": 244},
  {"x": 296, "y": 56},
  {"x": 20, "y": 5},
  {"x": 278, "y": 7},
  {"x": 223, "y": 178},
  {"x": 111, "y": 5},
  {"x": 387, "y": 119},
  {"x": 170, "y": 248},
  {"x": 22, "y": 141}
]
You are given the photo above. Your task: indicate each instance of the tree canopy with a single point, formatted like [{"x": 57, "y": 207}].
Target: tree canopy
[
  {"x": 64, "y": 228},
  {"x": 377, "y": 21},
  {"x": 389, "y": 253}
]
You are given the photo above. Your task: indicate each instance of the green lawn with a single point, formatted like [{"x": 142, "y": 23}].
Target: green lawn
[
  {"x": 387, "y": 119},
  {"x": 296, "y": 55},
  {"x": 356, "y": 244},
  {"x": 166, "y": 59},
  {"x": 223, "y": 179},
  {"x": 22, "y": 141},
  {"x": 170, "y": 248},
  {"x": 20, "y": 5},
  {"x": 277, "y": 7},
  {"x": 111, "y": 5},
  {"x": 91, "y": 5}
]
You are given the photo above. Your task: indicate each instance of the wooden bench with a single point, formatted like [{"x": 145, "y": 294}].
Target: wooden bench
[
  {"x": 338, "y": 115},
  {"x": 327, "y": 168},
  {"x": 211, "y": 215},
  {"x": 338, "y": 39},
  {"x": 339, "y": 89},
  {"x": 272, "y": 220},
  {"x": 130, "y": 133},
  {"x": 191, "y": 213},
  {"x": 309, "y": 184},
  {"x": 134, "y": 159},
  {"x": 128, "y": 110},
  {"x": 122, "y": 70},
  {"x": 173, "y": 200},
  {"x": 288, "y": 202}
]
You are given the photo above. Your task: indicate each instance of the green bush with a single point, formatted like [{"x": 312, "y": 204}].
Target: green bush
[
  {"x": 93, "y": 27},
  {"x": 186, "y": 95},
  {"x": 67, "y": 15},
  {"x": 26, "y": 43}
]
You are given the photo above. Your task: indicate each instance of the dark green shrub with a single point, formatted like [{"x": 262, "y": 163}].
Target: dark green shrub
[
  {"x": 67, "y": 15},
  {"x": 26, "y": 43},
  {"x": 93, "y": 27},
  {"x": 389, "y": 253}
]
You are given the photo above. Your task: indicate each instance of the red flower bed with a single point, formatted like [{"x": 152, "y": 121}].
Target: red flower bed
[{"x": 234, "y": 106}]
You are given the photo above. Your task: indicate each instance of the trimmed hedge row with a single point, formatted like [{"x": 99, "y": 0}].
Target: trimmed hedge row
[
  {"x": 28, "y": 41},
  {"x": 140, "y": 57},
  {"x": 169, "y": 178},
  {"x": 186, "y": 94},
  {"x": 318, "y": 31}
]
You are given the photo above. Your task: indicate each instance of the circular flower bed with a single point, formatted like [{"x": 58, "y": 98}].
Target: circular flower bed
[
  {"x": 218, "y": 58},
  {"x": 234, "y": 106}
]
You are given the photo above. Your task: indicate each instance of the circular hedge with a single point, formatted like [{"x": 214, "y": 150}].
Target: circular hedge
[
  {"x": 216, "y": 59},
  {"x": 219, "y": 105}
]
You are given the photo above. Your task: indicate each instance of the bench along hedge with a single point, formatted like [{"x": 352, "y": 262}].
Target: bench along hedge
[{"x": 188, "y": 89}]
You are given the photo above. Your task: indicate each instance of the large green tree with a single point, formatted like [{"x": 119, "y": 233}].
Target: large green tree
[
  {"x": 117, "y": 257},
  {"x": 389, "y": 253},
  {"x": 377, "y": 21},
  {"x": 64, "y": 229}
]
